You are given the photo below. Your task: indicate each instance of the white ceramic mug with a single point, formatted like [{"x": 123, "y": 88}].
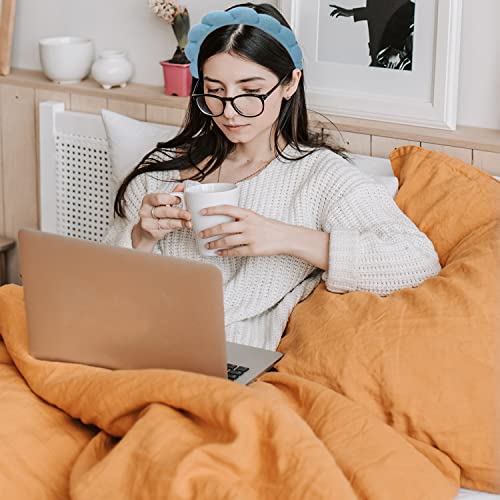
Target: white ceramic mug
[{"x": 196, "y": 198}]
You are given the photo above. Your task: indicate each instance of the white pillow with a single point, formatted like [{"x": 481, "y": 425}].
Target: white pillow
[
  {"x": 129, "y": 141},
  {"x": 378, "y": 168}
]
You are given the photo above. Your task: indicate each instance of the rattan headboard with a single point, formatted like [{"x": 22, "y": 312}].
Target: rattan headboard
[{"x": 74, "y": 173}]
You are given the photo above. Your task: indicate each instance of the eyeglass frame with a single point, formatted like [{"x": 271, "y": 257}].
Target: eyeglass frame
[{"x": 224, "y": 100}]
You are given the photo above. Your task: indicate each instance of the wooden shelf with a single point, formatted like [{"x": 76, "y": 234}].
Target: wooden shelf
[{"x": 133, "y": 92}]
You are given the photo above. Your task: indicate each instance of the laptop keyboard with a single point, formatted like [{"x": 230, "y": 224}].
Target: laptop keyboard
[{"x": 235, "y": 371}]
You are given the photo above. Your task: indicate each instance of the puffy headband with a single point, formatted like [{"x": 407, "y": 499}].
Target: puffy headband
[{"x": 240, "y": 15}]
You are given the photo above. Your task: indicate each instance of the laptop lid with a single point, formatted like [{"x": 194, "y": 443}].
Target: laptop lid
[{"x": 114, "y": 307}]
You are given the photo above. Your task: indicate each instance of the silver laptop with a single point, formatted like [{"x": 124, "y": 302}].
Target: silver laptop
[{"x": 118, "y": 308}]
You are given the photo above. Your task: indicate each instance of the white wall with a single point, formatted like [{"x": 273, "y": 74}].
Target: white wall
[
  {"x": 479, "y": 96},
  {"x": 129, "y": 24}
]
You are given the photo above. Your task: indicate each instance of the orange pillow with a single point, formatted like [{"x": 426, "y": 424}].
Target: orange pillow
[
  {"x": 422, "y": 359},
  {"x": 447, "y": 198}
]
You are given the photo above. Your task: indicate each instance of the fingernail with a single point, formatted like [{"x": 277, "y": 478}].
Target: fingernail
[{"x": 203, "y": 212}]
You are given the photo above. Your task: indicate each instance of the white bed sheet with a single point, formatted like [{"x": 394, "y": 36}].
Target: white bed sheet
[{"x": 464, "y": 494}]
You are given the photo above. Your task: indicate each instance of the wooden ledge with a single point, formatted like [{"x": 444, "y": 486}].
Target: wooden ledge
[{"x": 133, "y": 92}]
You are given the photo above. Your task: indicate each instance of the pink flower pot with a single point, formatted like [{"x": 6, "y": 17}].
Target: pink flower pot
[{"x": 177, "y": 79}]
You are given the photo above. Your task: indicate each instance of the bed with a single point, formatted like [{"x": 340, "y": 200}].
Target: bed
[{"x": 91, "y": 433}]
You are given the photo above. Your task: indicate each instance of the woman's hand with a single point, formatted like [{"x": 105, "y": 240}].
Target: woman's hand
[
  {"x": 250, "y": 234},
  {"x": 158, "y": 218}
]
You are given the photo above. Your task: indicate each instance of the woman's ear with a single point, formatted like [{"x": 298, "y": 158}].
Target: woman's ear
[{"x": 291, "y": 87}]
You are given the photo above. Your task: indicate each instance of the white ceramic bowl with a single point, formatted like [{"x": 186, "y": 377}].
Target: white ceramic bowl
[{"x": 66, "y": 59}]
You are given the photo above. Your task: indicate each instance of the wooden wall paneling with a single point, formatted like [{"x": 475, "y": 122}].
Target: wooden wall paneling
[
  {"x": 87, "y": 103},
  {"x": 133, "y": 109},
  {"x": 487, "y": 161},
  {"x": 464, "y": 137},
  {"x": 463, "y": 154},
  {"x": 357, "y": 143},
  {"x": 52, "y": 95},
  {"x": 354, "y": 143},
  {"x": 164, "y": 115},
  {"x": 19, "y": 165},
  {"x": 383, "y": 146}
]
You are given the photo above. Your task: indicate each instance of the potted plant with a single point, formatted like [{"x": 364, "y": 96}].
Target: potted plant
[{"x": 176, "y": 74}]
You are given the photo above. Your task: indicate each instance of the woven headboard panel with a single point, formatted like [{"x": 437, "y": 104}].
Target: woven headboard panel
[{"x": 74, "y": 173}]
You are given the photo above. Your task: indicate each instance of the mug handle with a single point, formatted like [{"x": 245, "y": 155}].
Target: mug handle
[{"x": 180, "y": 195}]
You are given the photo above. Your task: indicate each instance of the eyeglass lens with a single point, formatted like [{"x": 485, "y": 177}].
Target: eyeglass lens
[{"x": 246, "y": 105}]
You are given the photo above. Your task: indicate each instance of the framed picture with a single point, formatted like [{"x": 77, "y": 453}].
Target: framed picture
[
  {"x": 7, "y": 10},
  {"x": 385, "y": 60}
]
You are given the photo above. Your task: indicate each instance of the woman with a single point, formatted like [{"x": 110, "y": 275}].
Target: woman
[{"x": 305, "y": 213}]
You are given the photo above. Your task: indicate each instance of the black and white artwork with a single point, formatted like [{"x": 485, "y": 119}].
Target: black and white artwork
[
  {"x": 375, "y": 33},
  {"x": 383, "y": 60}
]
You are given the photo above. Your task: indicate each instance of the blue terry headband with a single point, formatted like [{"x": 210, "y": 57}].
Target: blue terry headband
[{"x": 240, "y": 15}]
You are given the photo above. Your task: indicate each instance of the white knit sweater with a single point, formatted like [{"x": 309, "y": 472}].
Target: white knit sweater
[{"x": 373, "y": 245}]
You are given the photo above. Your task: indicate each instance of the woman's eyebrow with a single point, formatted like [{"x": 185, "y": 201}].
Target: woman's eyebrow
[{"x": 244, "y": 80}]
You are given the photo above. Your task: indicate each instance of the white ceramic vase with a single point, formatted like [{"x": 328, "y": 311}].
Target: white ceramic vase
[{"x": 112, "y": 69}]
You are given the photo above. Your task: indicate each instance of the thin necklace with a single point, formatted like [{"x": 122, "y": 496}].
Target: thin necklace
[{"x": 248, "y": 176}]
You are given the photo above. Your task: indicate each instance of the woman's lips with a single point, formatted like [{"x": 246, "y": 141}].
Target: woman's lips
[{"x": 234, "y": 127}]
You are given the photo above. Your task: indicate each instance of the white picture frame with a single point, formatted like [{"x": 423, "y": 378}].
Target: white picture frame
[{"x": 372, "y": 93}]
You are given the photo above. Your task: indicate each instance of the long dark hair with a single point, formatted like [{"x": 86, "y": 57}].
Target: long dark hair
[{"x": 199, "y": 138}]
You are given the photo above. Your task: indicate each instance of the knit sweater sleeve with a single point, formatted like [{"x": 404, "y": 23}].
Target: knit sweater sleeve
[
  {"x": 373, "y": 245},
  {"x": 119, "y": 232}
]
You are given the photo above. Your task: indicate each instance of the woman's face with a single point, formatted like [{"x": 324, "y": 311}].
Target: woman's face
[{"x": 228, "y": 75}]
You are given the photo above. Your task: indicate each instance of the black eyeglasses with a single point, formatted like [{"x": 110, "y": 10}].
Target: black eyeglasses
[{"x": 248, "y": 105}]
